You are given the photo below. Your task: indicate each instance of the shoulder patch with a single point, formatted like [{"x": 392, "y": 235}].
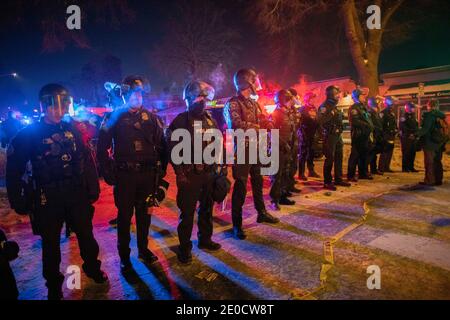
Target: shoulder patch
[
  {"x": 354, "y": 112},
  {"x": 402, "y": 119}
]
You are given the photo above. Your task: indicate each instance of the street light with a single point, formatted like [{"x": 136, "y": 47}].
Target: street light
[{"x": 14, "y": 75}]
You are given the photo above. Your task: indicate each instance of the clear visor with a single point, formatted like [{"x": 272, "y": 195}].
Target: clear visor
[
  {"x": 58, "y": 104},
  {"x": 208, "y": 92},
  {"x": 257, "y": 84}
]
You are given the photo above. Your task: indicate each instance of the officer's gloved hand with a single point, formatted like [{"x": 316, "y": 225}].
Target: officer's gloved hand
[
  {"x": 110, "y": 178},
  {"x": 20, "y": 207},
  {"x": 9, "y": 250},
  {"x": 93, "y": 197}
]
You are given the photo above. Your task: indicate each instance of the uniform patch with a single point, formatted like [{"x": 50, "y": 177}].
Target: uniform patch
[
  {"x": 69, "y": 135},
  {"x": 354, "y": 112},
  {"x": 138, "y": 145},
  {"x": 402, "y": 119},
  {"x": 66, "y": 157},
  {"x": 381, "y": 115}
]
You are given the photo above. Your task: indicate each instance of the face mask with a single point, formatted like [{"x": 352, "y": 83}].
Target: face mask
[{"x": 197, "y": 108}]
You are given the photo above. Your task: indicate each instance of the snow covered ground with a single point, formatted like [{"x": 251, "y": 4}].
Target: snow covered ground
[{"x": 406, "y": 234}]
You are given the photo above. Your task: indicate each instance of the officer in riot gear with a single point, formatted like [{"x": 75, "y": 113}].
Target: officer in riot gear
[
  {"x": 64, "y": 182},
  {"x": 195, "y": 181},
  {"x": 308, "y": 129},
  {"x": 408, "y": 137},
  {"x": 362, "y": 138},
  {"x": 390, "y": 132},
  {"x": 374, "y": 114},
  {"x": 330, "y": 122},
  {"x": 138, "y": 159},
  {"x": 282, "y": 120},
  {"x": 292, "y": 165},
  {"x": 243, "y": 112}
]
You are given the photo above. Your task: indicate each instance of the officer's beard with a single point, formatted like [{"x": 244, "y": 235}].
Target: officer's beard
[{"x": 197, "y": 108}]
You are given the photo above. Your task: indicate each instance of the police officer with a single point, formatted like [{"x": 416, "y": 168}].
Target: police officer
[
  {"x": 308, "y": 129},
  {"x": 282, "y": 120},
  {"x": 195, "y": 181},
  {"x": 243, "y": 112},
  {"x": 362, "y": 138},
  {"x": 139, "y": 161},
  {"x": 373, "y": 110},
  {"x": 390, "y": 131},
  {"x": 330, "y": 120},
  {"x": 65, "y": 184},
  {"x": 408, "y": 128},
  {"x": 292, "y": 165},
  {"x": 433, "y": 136}
]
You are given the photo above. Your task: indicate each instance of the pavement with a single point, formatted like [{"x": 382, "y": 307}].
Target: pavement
[{"x": 405, "y": 233}]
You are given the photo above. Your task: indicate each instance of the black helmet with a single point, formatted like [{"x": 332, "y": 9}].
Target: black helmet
[
  {"x": 283, "y": 97},
  {"x": 372, "y": 102},
  {"x": 196, "y": 89},
  {"x": 55, "y": 95},
  {"x": 330, "y": 90},
  {"x": 246, "y": 78},
  {"x": 135, "y": 83},
  {"x": 222, "y": 186}
]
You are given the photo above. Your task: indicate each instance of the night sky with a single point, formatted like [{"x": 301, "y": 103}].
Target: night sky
[{"x": 22, "y": 52}]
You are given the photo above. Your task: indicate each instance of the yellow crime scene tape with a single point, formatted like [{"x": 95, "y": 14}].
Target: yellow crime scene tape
[{"x": 328, "y": 256}]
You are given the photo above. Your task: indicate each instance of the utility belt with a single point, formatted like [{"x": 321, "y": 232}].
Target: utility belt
[
  {"x": 198, "y": 168},
  {"x": 136, "y": 166},
  {"x": 63, "y": 183}
]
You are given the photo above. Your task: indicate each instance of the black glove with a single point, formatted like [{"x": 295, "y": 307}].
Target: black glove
[
  {"x": 9, "y": 250},
  {"x": 20, "y": 207},
  {"x": 110, "y": 178},
  {"x": 94, "y": 197}
]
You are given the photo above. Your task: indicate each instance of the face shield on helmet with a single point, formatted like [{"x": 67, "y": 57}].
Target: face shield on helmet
[
  {"x": 197, "y": 94},
  {"x": 134, "y": 88},
  {"x": 55, "y": 101},
  {"x": 247, "y": 78}
]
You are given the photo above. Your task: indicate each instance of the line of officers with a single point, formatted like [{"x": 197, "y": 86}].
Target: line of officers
[{"x": 52, "y": 175}]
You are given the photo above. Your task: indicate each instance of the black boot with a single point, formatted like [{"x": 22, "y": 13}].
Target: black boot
[
  {"x": 184, "y": 256},
  {"x": 99, "y": 276},
  {"x": 147, "y": 256},
  {"x": 295, "y": 190},
  {"x": 239, "y": 233},
  {"x": 209, "y": 245},
  {"x": 266, "y": 217},
  {"x": 125, "y": 265},
  {"x": 329, "y": 186},
  {"x": 287, "y": 202}
]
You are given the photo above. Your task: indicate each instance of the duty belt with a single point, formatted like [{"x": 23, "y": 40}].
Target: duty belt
[
  {"x": 135, "y": 166},
  {"x": 60, "y": 184}
]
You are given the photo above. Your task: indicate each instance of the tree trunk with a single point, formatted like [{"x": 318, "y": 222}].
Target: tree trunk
[{"x": 365, "y": 53}]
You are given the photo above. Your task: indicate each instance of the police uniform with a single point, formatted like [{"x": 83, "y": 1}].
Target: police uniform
[
  {"x": 330, "y": 120},
  {"x": 390, "y": 131},
  {"x": 65, "y": 183},
  {"x": 378, "y": 138},
  {"x": 292, "y": 166},
  {"x": 245, "y": 113},
  {"x": 139, "y": 161},
  {"x": 362, "y": 140},
  {"x": 195, "y": 184},
  {"x": 308, "y": 130},
  {"x": 408, "y": 132},
  {"x": 283, "y": 121}
]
